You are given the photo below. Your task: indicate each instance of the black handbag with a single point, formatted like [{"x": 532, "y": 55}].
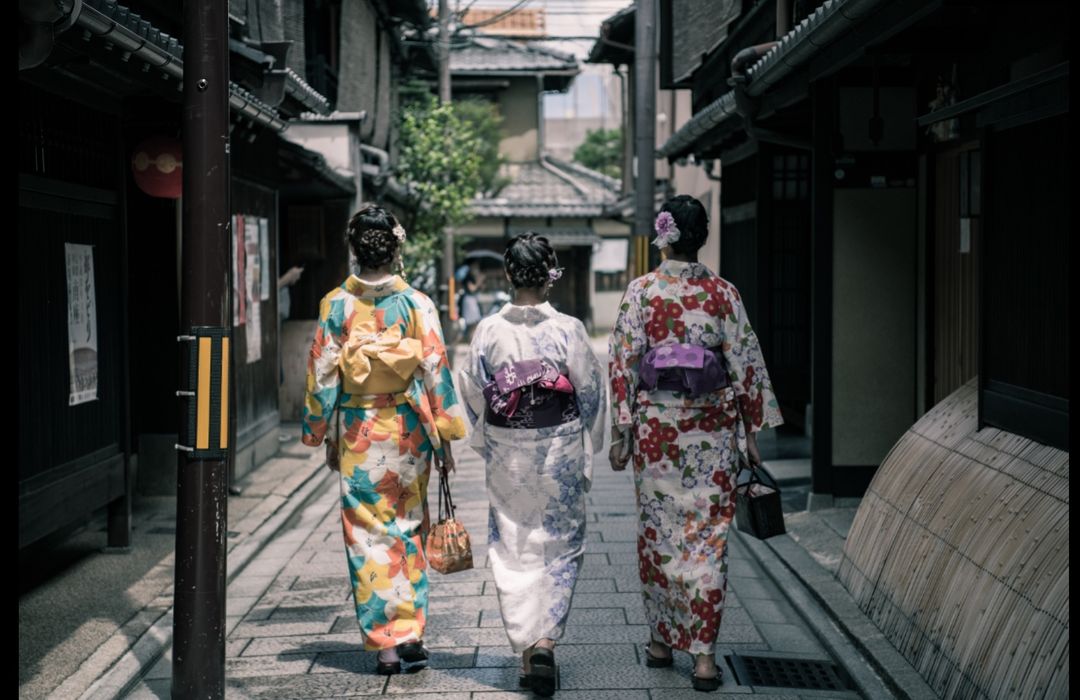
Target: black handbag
[{"x": 758, "y": 510}]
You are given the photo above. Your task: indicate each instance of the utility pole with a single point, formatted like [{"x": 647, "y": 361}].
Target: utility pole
[
  {"x": 644, "y": 126},
  {"x": 444, "y": 51},
  {"x": 198, "y": 669},
  {"x": 449, "y": 314}
]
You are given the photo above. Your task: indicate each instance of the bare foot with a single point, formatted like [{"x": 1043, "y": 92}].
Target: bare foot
[
  {"x": 705, "y": 666},
  {"x": 659, "y": 650}
]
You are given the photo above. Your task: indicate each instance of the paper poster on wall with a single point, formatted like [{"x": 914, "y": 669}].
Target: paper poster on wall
[
  {"x": 252, "y": 278},
  {"x": 253, "y": 333},
  {"x": 82, "y": 323},
  {"x": 264, "y": 257},
  {"x": 239, "y": 262}
]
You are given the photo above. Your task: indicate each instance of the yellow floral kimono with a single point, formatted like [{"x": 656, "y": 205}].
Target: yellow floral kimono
[{"x": 378, "y": 358}]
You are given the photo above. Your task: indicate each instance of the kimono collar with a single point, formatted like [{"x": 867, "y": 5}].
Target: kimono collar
[
  {"x": 366, "y": 290},
  {"x": 686, "y": 270},
  {"x": 527, "y": 314}
]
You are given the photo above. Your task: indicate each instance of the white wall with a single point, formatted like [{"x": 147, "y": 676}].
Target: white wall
[{"x": 518, "y": 105}]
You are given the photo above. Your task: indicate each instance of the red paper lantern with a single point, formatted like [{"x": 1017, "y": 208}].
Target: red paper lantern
[{"x": 156, "y": 164}]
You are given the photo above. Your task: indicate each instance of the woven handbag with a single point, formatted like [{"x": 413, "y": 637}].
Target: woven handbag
[{"x": 448, "y": 545}]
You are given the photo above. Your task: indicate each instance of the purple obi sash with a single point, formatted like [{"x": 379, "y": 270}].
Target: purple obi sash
[
  {"x": 530, "y": 394},
  {"x": 683, "y": 367}
]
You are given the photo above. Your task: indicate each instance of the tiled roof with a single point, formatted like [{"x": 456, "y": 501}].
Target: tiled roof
[
  {"x": 133, "y": 34},
  {"x": 549, "y": 188},
  {"x": 823, "y": 26},
  {"x": 618, "y": 28},
  {"x": 487, "y": 54},
  {"x": 307, "y": 95}
]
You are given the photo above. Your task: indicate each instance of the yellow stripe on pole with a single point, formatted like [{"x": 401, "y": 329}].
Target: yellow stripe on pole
[
  {"x": 224, "y": 437},
  {"x": 202, "y": 414},
  {"x": 451, "y": 294}
]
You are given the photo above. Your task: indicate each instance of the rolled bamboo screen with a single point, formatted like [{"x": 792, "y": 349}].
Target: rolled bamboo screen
[{"x": 959, "y": 553}]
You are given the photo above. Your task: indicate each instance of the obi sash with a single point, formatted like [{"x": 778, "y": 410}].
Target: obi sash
[
  {"x": 530, "y": 394},
  {"x": 392, "y": 360},
  {"x": 683, "y": 367}
]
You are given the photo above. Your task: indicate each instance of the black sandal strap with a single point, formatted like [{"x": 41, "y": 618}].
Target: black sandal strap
[{"x": 540, "y": 656}]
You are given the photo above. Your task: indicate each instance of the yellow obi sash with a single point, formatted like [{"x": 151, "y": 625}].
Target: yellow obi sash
[
  {"x": 378, "y": 362},
  {"x": 378, "y": 369}
]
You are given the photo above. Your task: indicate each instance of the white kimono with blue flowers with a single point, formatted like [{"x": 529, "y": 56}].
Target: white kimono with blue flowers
[{"x": 536, "y": 478}]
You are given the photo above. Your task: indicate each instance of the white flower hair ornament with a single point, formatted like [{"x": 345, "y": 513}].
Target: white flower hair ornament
[
  {"x": 555, "y": 273},
  {"x": 666, "y": 230},
  {"x": 399, "y": 232}
]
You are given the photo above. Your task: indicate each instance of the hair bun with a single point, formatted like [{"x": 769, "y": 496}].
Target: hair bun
[
  {"x": 529, "y": 258},
  {"x": 371, "y": 236}
]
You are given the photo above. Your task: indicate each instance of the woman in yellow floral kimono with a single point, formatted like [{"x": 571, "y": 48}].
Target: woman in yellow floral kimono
[{"x": 379, "y": 359}]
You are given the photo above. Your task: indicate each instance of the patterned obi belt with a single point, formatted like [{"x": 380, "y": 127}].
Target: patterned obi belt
[
  {"x": 530, "y": 394},
  {"x": 683, "y": 367}
]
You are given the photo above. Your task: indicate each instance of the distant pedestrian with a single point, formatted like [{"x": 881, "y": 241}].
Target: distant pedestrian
[
  {"x": 689, "y": 391},
  {"x": 378, "y": 359},
  {"x": 286, "y": 280},
  {"x": 470, "y": 301},
  {"x": 536, "y": 395}
]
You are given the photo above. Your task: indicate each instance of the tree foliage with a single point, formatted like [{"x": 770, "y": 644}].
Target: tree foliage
[
  {"x": 484, "y": 119},
  {"x": 441, "y": 161},
  {"x": 601, "y": 151}
]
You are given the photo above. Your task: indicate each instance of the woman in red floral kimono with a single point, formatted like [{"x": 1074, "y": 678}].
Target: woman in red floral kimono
[{"x": 689, "y": 391}]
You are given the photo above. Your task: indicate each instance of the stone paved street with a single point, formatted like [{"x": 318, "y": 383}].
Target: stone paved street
[{"x": 292, "y": 632}]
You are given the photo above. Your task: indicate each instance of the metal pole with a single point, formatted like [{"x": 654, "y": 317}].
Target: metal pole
[
  {"x": 644, "y": 122},
  {"x": 444, "y": 51},
  {"x": 199, "y": 615},
  {"x": 448, "y": 234}
]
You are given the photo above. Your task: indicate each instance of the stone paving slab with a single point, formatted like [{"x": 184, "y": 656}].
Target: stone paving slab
[
  {"x": 306, "y": 686},
  {"x": 454, "y": 680},
  {"x": 333, "y": 662},
  {"x": 578, "y": 616},
  {"x": 568, "y": 695},
  {"x": 285, "y": 666},
  {"x": 617, "y": 655}
]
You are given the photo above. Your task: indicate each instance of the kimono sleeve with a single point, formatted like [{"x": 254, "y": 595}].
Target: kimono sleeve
[
  {"x": 323, "y": 379},
  {"x": 758, "y": 407},
  {"x": 438, "y": 381},
  {"x": 473, "y": 375},
  {"x": 586, "y": 373},
  {"x": 625, "y": 349}
]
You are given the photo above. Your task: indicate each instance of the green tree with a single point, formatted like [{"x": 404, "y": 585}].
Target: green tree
[
  {"x": 441, "y": 162},
  {"x": 485, "y": 121},
  {"x": 601, "y": 151}
]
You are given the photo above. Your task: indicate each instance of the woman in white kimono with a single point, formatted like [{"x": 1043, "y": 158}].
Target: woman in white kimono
[{"x": 535, "y": 393}]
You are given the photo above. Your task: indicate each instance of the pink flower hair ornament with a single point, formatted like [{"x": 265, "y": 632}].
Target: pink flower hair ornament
[
  {"x": 554, "y": 273},
  {"x": 666, "y": 230}
]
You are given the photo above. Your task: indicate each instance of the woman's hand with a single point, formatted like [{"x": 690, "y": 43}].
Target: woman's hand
[
  {"x": 620, "y": 450},
  {"x": 333, "y": 457},
  {"x": 446, "y": 463},
  {"x": 752, "y": 449}
]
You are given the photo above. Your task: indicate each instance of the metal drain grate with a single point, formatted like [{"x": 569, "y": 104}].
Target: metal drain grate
[{"x": 777, "y": 672}]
